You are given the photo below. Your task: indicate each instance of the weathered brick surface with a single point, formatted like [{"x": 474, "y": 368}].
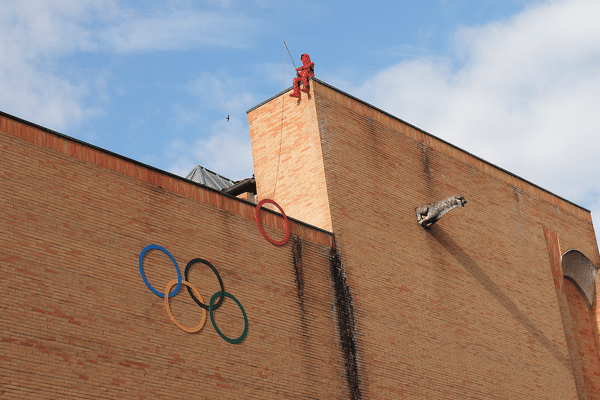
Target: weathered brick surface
[
  {"x": 565, "y": 306},
  {"x": 474, "y": 307},
  {"x": 76, "y": 319},
  {"x": 585, "y": 339},
  {"x": 466, "y": 309},
  {"x": 288, "y": 161}
]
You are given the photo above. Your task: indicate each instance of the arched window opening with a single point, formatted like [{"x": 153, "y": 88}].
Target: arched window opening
[{"x": 581, "y": 271}]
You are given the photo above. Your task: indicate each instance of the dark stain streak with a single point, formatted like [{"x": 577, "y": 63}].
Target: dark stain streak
[
  {"x": 426, "y": 161},
  {"x": 297, "y": 255},
  {"x": 346, "y": 326},
  {"x": 308, "y": 353}
]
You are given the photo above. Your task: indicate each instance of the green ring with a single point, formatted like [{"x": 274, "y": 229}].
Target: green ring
[{"x": 212, "y": 319}]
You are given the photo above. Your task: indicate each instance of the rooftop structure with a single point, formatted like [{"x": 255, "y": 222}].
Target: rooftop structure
[{"x": 208, "y": 178}]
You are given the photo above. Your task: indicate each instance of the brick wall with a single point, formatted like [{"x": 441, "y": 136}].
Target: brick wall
[
  {"x": 288, "y": 161},
  {"x": 77, "y": 320},
  {"x": 474, "y": 307},
  {"x": 466, "y": 309}
]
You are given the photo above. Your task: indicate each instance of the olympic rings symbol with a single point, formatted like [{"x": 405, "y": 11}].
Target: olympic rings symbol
[
  {"x": 211, "y": 307},
  {"x": 262, "y": 231}
]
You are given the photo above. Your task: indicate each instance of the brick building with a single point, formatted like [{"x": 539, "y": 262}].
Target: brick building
[{"x": 496, "y": 300}]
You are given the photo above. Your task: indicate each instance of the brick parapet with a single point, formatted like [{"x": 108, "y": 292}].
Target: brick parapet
[{"x": 174, "y": 184}]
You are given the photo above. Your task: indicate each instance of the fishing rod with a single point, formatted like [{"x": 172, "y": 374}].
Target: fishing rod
[{"x": 289, "y": 54}]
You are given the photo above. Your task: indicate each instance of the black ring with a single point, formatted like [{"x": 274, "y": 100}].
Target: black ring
[{"x": 187, "y": 268}]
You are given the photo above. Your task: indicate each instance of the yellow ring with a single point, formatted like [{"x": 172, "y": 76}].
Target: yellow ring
[{"x": 182, "y": 327}]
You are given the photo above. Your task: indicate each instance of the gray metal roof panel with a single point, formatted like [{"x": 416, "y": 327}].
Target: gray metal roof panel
[{"x": 208, "y": 178}]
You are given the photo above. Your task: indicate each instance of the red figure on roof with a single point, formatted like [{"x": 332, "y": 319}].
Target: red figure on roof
[{"x": 302, "y": 73}]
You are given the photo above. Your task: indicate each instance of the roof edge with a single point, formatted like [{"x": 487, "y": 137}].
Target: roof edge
[
  {"x": 140, "y": 164},
  {"x": 247, "y": 185},
  {"x": 425, "y": 133}
]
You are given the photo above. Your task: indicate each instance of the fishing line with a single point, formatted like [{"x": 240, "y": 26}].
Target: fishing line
[{"x": 282, "y": 104}]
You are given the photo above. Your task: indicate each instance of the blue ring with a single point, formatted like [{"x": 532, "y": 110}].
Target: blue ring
[
  {"x": 141, "y": 262},
  {"x": 212, "y": 318}
]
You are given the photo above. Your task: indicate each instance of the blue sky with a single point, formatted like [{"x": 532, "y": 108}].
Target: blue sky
[{"x": 515, "y": 82}]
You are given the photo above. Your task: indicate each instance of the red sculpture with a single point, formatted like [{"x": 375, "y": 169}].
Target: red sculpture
[{"x": 302, "y": 73}]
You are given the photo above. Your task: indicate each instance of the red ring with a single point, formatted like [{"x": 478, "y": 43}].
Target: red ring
[{"x": 260, "y": 228}]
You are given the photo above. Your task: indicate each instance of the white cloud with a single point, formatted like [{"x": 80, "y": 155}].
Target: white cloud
[
  {"x": 221, "y": 91},
  {"x": 275, "y": 74},
  {"x": 34, "y": 29},
  {"x": 225, "y": 152},
  {"x": 182, "y": 30},
  {"x": 524, "y": 96},
  {"x": 42, "y": 98},
  {"x": 186, "y": 116},
  {"x": 33, "y": 34}
]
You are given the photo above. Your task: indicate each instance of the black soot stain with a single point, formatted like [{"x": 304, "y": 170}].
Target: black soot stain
[
  {"x": 297, "y": 255},
  {"x": 345, "y": 318},
  {"x": 299, "y": 275}
]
